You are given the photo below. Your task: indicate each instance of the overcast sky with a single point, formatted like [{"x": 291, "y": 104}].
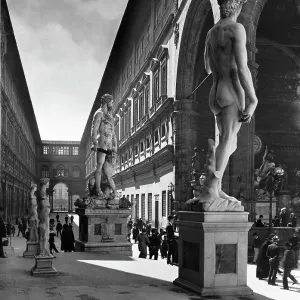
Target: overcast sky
[{"x": 64, "y": 47}]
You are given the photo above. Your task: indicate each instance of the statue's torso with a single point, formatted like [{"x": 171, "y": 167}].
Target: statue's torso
[
  {"x": 106, "y": 130},
  {"x": 226, "y": 89}
]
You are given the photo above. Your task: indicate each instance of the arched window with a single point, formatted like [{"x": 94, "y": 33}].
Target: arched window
[
  {"x": 61, "y": 171},
  {"x": 45, "y": 172},
  {"x": 76, "y": 172}
]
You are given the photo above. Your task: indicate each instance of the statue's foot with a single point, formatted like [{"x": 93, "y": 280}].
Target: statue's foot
[
  {"x": 99, "y": 194},
  {"x": 223, "y": 195}
]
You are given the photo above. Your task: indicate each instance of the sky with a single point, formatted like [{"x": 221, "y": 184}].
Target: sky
[{"x": 64, "y": 46}]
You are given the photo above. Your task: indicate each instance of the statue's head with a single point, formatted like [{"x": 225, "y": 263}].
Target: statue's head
[
  {"x": 108, "y": 100},
  {"x": 45, "y": 182},
  {"x": 33, "y": 186},
  {"x": 230, "y": 7}
]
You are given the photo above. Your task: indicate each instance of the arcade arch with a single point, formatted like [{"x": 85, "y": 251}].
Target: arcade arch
[{"x": 60, "y": 197}]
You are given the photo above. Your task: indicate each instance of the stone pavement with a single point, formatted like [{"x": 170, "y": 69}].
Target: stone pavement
[{"x": 92, "y": 276}]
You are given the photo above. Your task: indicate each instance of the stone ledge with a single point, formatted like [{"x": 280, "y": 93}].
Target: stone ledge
[
  {"x": 213, "y": 217},
  {"x": 214, "y": 291}
]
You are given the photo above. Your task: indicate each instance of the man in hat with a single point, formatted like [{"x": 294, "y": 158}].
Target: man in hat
[
  {"x": 104, "y": 141},
  {"x": 170, "y": 237},
  {"x": 2, "y": 232},
  {"x": 273, "y": 255},
  {"x": 288, "y": 263},
  {"x": 284, "y": 217},
  {"x": 256, "y": 245}
]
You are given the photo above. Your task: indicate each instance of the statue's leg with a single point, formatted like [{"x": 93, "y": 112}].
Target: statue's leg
[
  {"x": 229, "y": 126},
  {"x": 100, "y": 162},
  {"x": 108, "y": 171}
]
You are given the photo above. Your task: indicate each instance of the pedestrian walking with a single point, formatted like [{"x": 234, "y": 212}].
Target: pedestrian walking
[
  {"x": 57, "y": 217},
  {"x": 20, "y": 228},
  {"x": 58, "y": 228},
  {"x": 262, "y": 262},
  {"x": 143, "y": 242},
  {"x": 170, "y": 237},
  {"x": 295, "y": 242},
  {"x": 256, "y": 245},
  {"x": 72, "y": 219},
  {"x": 288, "y": 264},
  {"x": 273, "y": 255},
  {"x": 154, "y": 244},
  {"x": 13, "y": 230},
  {"x": 2, "y": 232},
  {"x": 164, "y": 248},
  {"x": 8, "y": 228},
  {"x": 52, "y": 245},
  {"x": 135, "y": 233},
  {"x": 66, "y": 219},
  {"x": 148, "y": 229}
]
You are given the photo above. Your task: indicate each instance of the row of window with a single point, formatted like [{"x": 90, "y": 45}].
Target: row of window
[
  {"x": 17, "y": 142},
  {"x": 60, "y": 171},
  {"x": 160, "y": 134},
  {"x": 60, "y": 150},
  {"x": 14, "y": 98},
  {"x": 166, "y": 208}
]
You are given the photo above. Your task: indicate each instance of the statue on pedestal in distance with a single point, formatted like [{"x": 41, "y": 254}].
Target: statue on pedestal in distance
[
  {"x": 226, "y": 58},
  {"x": 33, "y": 216},
  {"x": 43, "y": 213}
]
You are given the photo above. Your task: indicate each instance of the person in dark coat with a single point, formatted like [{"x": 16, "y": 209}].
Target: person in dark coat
[
  {"x": 170, "y": 237},
  {"x": 284, "y": 217},
  {"x": 259, "y": 222},
  {"x": 135, "y": 233},
  {"x": 288, "y": 264},
  {"x": 295, "y": 244},
  {"x": 148, "y": 229},
  {"x": 13, "y": 230},
  {"x": 8, "y": 228},
  {"x": 273, "y": 255},
  {"x": 64, "y": 237},
  {"x": 20, "y": 228},
  {"x": 262, "y": 262},
  {"x": 72, "y": 219},
  {"x": 57, "y": 217},
  {"x": 70, "y": 239},
  {"x": 2, "y": 233},
  {"x": 143, "y": 243},
  {"x": 66, "y": 219},
  {"x": 58, "y": 228},
  {"x": 164, "y": 248},
  {"x": 154, "y": 244},
  {"x": 276, "y": 222}
]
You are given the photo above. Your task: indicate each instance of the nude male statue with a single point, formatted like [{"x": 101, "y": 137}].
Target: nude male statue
[
  {"x": 104, "y": 141},
  {"x": 226, "y": 58}
]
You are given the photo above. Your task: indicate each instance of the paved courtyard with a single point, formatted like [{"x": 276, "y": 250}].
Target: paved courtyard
[{"x": 92, "y": 276}]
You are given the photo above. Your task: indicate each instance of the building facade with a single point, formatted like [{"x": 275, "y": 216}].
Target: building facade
[
  {"x": 160, "y": 118},
  {"x": 19, "y": 131},
  {"x": 63, "y": 163}
]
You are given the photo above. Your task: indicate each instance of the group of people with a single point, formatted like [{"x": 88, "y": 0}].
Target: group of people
[
  {"x": 147, "y": 237},
  {"x": 283, "y": 220},
  {"x": 268, "y": 261},
  {"x": 65, "y": 232}
]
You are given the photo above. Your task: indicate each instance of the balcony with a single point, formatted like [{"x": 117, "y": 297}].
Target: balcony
[
  {"x": 138, "y": 125},
  {"x": 125, "y": 137}
]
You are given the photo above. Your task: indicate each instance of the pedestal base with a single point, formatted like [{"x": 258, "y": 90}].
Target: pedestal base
[
  {"x": 43, "y": 266},
  {"x": 104, "y": 231},
  {"x": 213, "y": 252},
  {"x": 31, "y": 249}
]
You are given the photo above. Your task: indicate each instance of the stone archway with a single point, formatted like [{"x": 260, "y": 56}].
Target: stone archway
[
  {"x": 60, "y": 197},
  {"x": 187, "y": 114}
]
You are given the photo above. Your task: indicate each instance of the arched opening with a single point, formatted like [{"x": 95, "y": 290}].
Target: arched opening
[
  {"x": 277, "y": 123},
  {"x": 60, "y": 197},
  {"x": 61, "y": 171}
]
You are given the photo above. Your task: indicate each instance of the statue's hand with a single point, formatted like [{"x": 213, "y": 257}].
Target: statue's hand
[{"x": 246, "y": 117}]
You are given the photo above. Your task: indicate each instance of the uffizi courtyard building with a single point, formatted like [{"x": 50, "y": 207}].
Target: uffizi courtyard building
[{"x": 159, "y": 120}]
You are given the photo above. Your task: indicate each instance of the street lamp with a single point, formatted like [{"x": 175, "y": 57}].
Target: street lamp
[{"x": 273, "y": 180}]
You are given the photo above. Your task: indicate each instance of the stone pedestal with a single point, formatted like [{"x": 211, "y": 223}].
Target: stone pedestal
[
  {"x": 103, "y": 230},
  {"x": 213, "y": 252},
  {"x": 43, "y": 266},
  {"x": 31, "y": 249}
]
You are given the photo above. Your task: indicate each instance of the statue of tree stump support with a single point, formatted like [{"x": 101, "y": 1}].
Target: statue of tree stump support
[
  {"x": 208, "y": 197},
  {"x": 43, "y": 260},
  {"x": 32, "y": 245}
]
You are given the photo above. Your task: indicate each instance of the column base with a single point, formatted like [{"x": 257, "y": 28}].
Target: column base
[
  {"x": 214, "y": 291},
  {"x": 43, "y": 266},
  {"x": 31, "y": 249}
]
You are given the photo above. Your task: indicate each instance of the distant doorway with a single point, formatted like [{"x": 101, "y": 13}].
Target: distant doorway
[
  {"x": 60, "y": 197},
  {"x": 156, "y": 211}
]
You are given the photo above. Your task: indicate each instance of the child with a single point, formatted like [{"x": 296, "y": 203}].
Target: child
[{"x": 164, "y": 248}]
